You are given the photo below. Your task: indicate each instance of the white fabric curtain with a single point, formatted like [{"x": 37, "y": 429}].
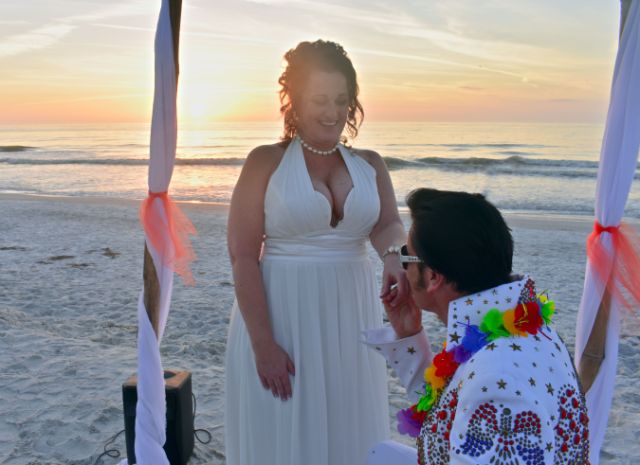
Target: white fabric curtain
[
  {"x": 164, "y": 120},
  {"x": 618, "y": 162},
  {"x": 150, "y": 427}
]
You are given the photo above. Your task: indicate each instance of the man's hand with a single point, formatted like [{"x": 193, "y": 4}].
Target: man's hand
[{"x": 406, "y": 319}]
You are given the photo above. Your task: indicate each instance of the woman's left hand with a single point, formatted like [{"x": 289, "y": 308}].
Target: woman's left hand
[{"x": 394, "y": 275}]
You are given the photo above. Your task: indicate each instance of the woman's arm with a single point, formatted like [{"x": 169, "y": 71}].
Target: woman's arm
[
  {"x": 388, "y": 231},
  {"x": 245, "y": 233}
]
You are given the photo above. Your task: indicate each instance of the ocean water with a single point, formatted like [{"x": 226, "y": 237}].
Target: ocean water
[{"x": 544, "y": 168}]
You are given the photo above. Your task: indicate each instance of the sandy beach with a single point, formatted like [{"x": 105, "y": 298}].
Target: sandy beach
[{"x": 70, "y": 275}]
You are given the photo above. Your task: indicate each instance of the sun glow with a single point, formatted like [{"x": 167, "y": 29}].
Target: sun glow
[{"x": 199, "y": 102}]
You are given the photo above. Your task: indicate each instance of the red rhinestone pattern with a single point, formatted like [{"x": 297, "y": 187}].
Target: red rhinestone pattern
[
  {"x": 572, "y": 428},
  {"x": 434, "y": 437}
]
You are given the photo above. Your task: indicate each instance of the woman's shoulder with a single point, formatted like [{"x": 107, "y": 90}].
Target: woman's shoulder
[
  {"x": 265, "y": 156},
  {"x": 370, "y": 156},
  {"x": 268, "y": 151}
]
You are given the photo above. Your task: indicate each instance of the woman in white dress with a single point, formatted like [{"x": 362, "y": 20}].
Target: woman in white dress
[{"x": 301, "y": 388}]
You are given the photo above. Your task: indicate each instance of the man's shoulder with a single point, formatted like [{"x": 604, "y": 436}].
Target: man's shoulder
[
  {"x": 545, "y": 344},
  {"x": 538, "y": 362}
]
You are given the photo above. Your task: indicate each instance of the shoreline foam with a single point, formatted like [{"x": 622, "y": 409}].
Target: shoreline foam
[{"x": 537, "y": 220}]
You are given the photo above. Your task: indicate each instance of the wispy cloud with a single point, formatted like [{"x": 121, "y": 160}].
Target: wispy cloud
[
  {"x": 122, "y": 27},
  {"x": 89, "y": 99},
  {"x": 427, "y": 59},
  {"x": 462, "y": 47},
  {"x": 369, "y": 15},
  {"x": 124, "y": 9},
  {"x": 13, "y": 22},
  {"x": 211, "y": 35},
  {"x": 35, "y": 39},
  {"x": 273, "y": 2},
  {"x": 485, "y": 49},
  {"x": 48, "y": 35}
]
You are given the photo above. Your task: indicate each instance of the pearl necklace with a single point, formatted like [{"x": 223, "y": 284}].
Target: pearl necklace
[{"x": 323, "y": 153}]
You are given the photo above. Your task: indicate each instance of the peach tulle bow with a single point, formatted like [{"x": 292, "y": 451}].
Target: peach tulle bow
[
  {"x": 169, "y": 238},
  {"x": 620, "y": 270}
]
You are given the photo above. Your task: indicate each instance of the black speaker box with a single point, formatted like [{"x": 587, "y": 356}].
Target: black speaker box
[{"x": 179, "y": 445}]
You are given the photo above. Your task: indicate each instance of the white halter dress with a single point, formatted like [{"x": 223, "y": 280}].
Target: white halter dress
[{"x": 321, "y": 294}]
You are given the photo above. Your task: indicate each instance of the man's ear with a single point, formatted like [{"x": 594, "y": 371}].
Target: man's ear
[{"x": 433, "y": 280}]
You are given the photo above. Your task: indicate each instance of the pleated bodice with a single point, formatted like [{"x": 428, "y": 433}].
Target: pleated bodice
[{"x": 298, "y": 218}]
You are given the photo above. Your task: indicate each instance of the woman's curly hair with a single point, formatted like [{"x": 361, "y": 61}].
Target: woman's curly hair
[{"x": 301, "y": 61}]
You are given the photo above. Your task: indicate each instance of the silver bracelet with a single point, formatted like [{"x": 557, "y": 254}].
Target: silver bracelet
[{"x": 392, "y": 249}]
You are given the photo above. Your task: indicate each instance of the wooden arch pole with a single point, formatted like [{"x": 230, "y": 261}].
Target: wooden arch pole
[
  {"x": 594, "y": 352},
  {"x": 149, "y": 273}
]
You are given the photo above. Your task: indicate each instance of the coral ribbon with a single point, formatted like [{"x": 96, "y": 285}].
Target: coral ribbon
[
  {"x": 169, "y": 238},
  {"x": 620, "y": 270}
]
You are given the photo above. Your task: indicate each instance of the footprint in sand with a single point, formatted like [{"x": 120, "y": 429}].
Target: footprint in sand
[
  {"x": 54, "y": 258},
  {"x": 107, "y": 252},
  {"x": 79, "y": 265}
]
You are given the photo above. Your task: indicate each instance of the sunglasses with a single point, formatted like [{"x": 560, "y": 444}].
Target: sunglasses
[{"x": 405, "y": 258}]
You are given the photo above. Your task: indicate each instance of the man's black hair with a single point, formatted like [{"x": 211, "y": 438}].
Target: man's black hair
[{"x": 461, "y": 236}]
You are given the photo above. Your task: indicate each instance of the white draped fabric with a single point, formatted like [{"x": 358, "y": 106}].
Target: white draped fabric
[
  {"x": 618, "y": 162},
  {"x": 150, "y": 427},
  {"x": 164, "y": 120},
  {"x": 151, "y": 407}
]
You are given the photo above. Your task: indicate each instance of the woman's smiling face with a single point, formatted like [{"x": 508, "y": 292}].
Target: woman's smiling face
[{"x": 323, "y": 108}]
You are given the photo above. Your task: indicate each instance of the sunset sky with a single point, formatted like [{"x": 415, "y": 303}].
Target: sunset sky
[{"x": 422, "y": 60}]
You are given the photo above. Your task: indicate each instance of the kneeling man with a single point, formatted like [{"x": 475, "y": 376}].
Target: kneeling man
[{"x": 503, "y": 389}]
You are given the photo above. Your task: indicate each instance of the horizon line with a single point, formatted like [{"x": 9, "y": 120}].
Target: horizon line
[{"x": 266, "y": 121}]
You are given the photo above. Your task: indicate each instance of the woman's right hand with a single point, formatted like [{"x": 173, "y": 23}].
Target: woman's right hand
[
  {"x": 274, "y": 366},
  {"x": 406, "y": 319}
]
